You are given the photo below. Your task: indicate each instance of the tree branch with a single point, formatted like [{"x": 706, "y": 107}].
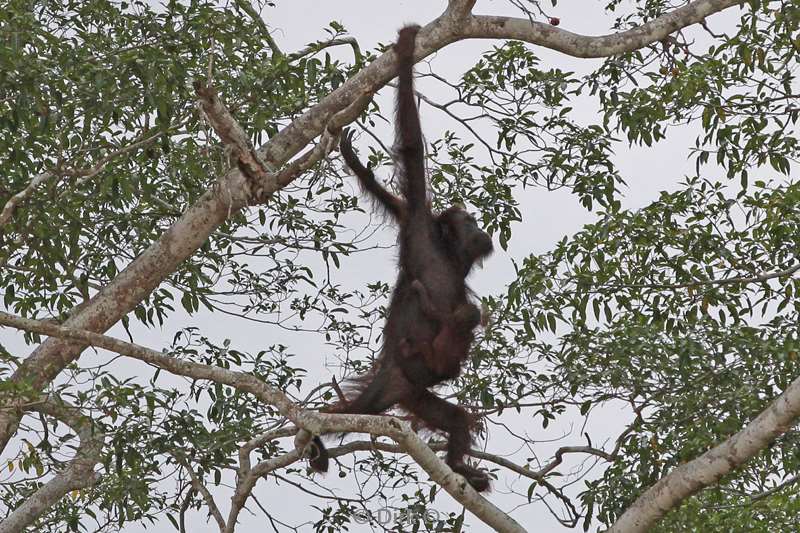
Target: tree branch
[
  {"x": 198, "y": 486},
  {"x": 248, "y": 8},
  {"x": 184, "y": 507},
  {"x": 322, "y": 45},
  {"x": 84, "y": 174},
  {"x": 758, "y": 278},
  {"x": 573, "y": 44},
  {"x": 77, "y": 475},
  {"x": 328, "y": 141},
  {"x": 21, "y": 196},
  {"x": 701, "y": 472},
  {"x": 239, "y": 380},
  {"x": 459, "y": 9},
  {"x": 231, "y": 133}
]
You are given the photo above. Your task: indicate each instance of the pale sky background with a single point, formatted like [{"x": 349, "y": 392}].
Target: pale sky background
[{"x": 548, "y": 216}]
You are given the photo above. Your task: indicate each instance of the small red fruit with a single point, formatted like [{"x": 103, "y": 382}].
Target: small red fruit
[{"x": 555, "y": 21}]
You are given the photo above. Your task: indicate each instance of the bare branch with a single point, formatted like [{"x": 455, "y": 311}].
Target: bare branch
[
  {"x": 260, "y": 440},
  {"x": 409, "y": 442},
  {"x": 573, "y": 44},
  {"x": 328, "y": 141},
  {"x": 777, "y": 488},
  {"x": 536, "y": 475},
  {"x": 247, "y": 481}
]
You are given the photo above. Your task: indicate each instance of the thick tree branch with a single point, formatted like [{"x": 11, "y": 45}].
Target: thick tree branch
[
  {"x": 239, "y": 380},
  {"x": 78, "y": 474},
  {"x": 707, "y": 469},
  {"x": 247, "y": 481},
  {"x": 548, "y": 36},
  {"x": 459, "y": 9},
  {"x": 128, "y": 288},
  {"x": 328, "y": 141},
  {"x": 258, "y": 441}
]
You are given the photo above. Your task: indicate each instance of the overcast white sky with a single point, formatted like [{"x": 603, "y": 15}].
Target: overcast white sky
[{"x": 548, "y": 216}]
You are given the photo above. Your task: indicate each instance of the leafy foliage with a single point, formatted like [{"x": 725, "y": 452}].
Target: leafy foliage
[{"x": 684, "y": 312}]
